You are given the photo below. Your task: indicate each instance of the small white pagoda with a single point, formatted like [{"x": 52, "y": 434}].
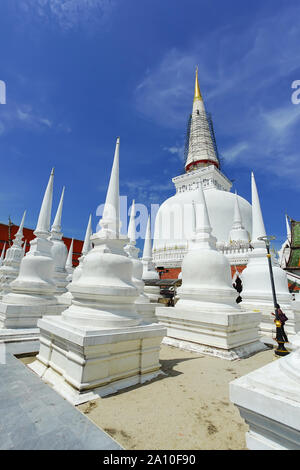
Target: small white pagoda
[
  {"x": 33, "y": 291},
  {"x": 99, "y": 344},
  {"x": 269, "y": 401},
  {"x": 10, "y": 267},
  {"x": 206, "y": 317},
  {"x": 150, "y": 275},
  {"x": 257, "y": 291},
  {"x": 144, "y": 307},
  {"x": 59, "y": 251}
]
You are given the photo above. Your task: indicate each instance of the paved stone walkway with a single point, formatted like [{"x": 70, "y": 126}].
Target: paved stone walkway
[{"x": 33, "y": 416}]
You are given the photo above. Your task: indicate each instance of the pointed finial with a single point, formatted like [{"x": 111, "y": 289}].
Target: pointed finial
[
  {"x": 131, "y": 226},
  {"x": 111, "y": 213},
  {"x": 147, "y": 253},
  {"x": 3, "y": 252},
  {"x": 87, "y": 245},
  {"x": 237, "y": 218},
  {"x": 288, "y": 228},
  {"x": 197, "y": 95},
  {"x": 204, "y": 222},
  {"x": 19, "y": 235},
  {"x": 69, "y": 261},
  {"x": 43, "y": 224},
  {"x": 258, "y": 226},
  {"x": 24, "y": 248},
  {"x": 56, "y": 227}
]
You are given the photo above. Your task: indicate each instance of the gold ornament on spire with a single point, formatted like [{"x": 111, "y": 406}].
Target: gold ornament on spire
[{"x": 197, "y": 95}]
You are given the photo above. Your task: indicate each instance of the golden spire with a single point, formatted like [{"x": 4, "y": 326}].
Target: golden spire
[{"x": 197, "y": 95}]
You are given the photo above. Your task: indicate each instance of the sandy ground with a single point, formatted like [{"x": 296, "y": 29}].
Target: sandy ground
[{"x": 188, "y": 408}]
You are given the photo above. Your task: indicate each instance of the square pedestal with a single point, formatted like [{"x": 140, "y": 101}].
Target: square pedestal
[
  {"x": 25, "y": 316},
  {"x": 269, "y": 402},
  {"x": 147, "y": 311},
  {"x": 15, "y": 335},
  {"x": 227, "y": 335},
  {"x": 83, "y": 363}
]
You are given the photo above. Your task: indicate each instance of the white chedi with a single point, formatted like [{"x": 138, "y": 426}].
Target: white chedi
[
  {"x": 2, "y": 254},
  {"x": 87, "y": 246},
  {"x": 269, "y": 401},
  {"x": 101, "y": 344},
  {"x": 66, "y": 297},
  {"x": 32, "y": 292},
  {"x": 257, "y": 290},
  {"x": 69, "y": 262},
  {"x": 59, "y": 250},
  {"x": 10, "y": 267},
  {"x": 150, "y": 275},
  {"x": 144, "y": 307},
  {"x": 206, "y": 317}
]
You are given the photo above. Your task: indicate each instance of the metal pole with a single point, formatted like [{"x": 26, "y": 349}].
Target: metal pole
[
  {"x": 271, "y": 276},
  {"x": 280, "y": 350}
]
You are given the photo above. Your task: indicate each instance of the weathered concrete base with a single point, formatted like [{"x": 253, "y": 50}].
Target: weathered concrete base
[
  {"x": 267, "y": 326},
  {"x": 269, "y": 401},
  {"x": 231, "y": 355},
  {"x": 228, "y": 335},
  {"x": 19, "y": 335},
  {"x": 82, "y": 363},
  {"x": 147, "y": 311},
  {"x": 26, "y": 316}
]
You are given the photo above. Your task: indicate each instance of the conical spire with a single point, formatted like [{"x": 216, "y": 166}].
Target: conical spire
[
  {"x": 56, "y": 227},
  {"x": 24, "y": 247},
  {"x": 238, "y": 233},
  {"x": 19, "y": 234},
  {"x": 197, "y": 95},
  {"x": 147, "y": 253},
  {"x": 131, "y": 226},
  {"x": 237, "y": 218},
  {"x": 87, "y": 245},
  {"x": 201, "y": 150},
  {"x": 202, "y": 235},
  {"x": 43, "y": 224},
  {"x": 258, "y": 226},
  {"x": 2, "y": 253},
  {"x": 111, "y": 213},
  {"x": 69, "y": 262},
  {"x": 288, "y": 228}
]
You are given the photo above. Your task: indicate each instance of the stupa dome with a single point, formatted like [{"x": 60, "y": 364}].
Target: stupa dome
[{"x": 174, "y": 226}]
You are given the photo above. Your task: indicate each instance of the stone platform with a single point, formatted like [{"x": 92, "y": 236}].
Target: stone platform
[{"x": 35, "y": 417}]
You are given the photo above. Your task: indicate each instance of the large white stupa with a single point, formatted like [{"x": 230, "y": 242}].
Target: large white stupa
[{"x": 230, "y": 214}]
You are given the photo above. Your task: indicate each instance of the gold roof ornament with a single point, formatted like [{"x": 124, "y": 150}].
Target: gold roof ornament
[{"x": 197, "y": 95}]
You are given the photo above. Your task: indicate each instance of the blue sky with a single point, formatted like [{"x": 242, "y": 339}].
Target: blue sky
[{"x": 79, "y": 73}]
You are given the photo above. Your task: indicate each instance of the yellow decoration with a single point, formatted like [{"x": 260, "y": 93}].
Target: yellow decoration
[{"x": 197, "y": 95}]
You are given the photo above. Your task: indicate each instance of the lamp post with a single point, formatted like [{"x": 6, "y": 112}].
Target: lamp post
[{"x": 280, "y": 350}]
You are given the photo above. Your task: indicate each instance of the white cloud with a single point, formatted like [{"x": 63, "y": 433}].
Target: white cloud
[
  {"x": 177, "y": 150},
  {"x": 234, "y": 152},
  {"x": 68, "y": 13}
]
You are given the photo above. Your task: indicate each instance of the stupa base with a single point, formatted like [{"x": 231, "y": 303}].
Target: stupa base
[
  {"x": 25, "y": 316},
  {"x": 84, "y": 363},
  {"x": 229, "y": 336},
  {"x": 19, "y": 335},
  {"x": 152, "y": 292},
  {"x": 147, "y": 311},
  {"x": 267, "y": 326},
  {"x": 231, "y": 355},
  {"x": 268, "y": 400},
  {"x": 65, "y": 299}
]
